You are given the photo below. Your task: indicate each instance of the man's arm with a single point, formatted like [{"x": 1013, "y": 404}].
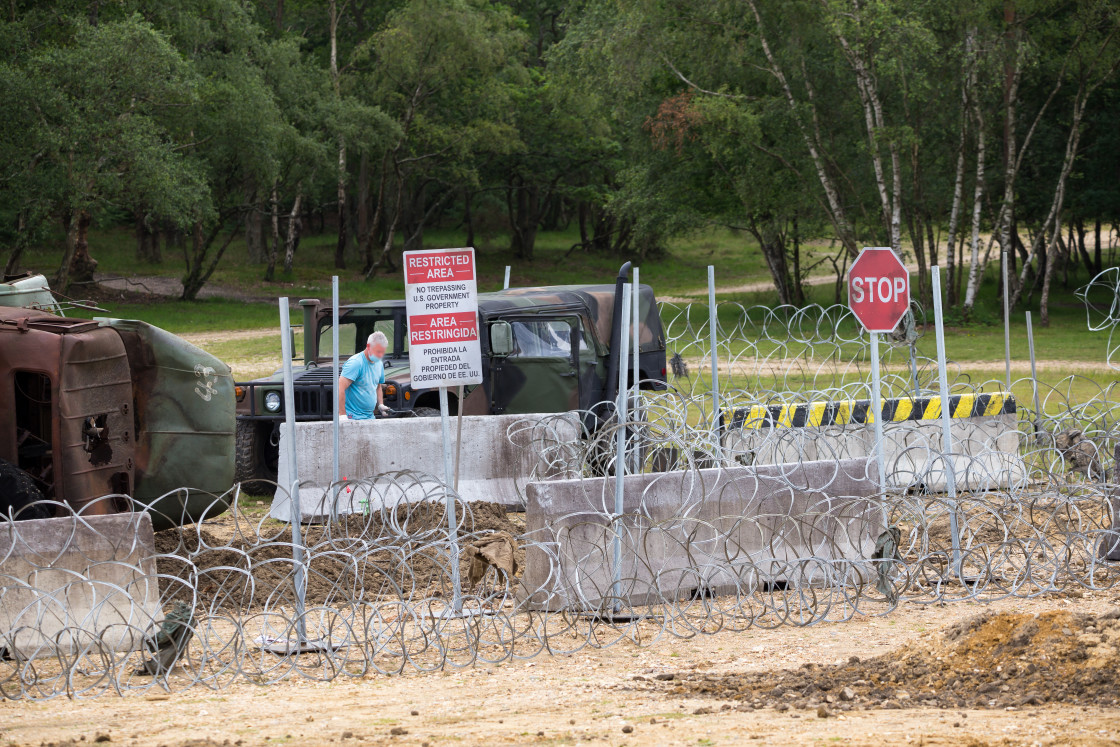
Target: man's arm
[{"x": 343, "y": 385}]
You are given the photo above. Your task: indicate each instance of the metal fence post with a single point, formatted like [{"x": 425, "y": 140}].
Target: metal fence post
[
  {"x": 293, "y": 475},
  {"x": 1034, "y": 376},
  {"x": 334, "y": 389},
  {"x": 1006, "y": 324},
  {"x": 620, "y": 441},
  {"x": 713, "y": 328},
  {"x": 946, "y": 423}
]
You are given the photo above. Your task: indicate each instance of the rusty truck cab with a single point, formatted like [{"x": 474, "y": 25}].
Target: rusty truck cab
[{"x": 71, "y": 426}]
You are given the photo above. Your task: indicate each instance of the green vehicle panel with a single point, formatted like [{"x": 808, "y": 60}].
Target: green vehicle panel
[{"x": 560, "y": 361}]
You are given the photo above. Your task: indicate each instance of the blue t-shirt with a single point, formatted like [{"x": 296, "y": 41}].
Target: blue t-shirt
[{"x": 361, "y": 395}]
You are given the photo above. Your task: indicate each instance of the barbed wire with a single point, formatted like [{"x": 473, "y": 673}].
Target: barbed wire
[{"x": 767, "y": 513}]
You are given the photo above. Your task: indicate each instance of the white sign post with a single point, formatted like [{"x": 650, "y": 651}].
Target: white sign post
[
  {"x": 441, "y": 300},
  {"x": 879, "y": 296}
]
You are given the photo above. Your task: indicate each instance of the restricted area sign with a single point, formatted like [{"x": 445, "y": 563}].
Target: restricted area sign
[
  {"x": 878, "y": 289},
  {"x": 441, "y": 300}
]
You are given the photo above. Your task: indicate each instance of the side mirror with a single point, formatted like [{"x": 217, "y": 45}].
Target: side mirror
[{"x": 501, "y": 339}]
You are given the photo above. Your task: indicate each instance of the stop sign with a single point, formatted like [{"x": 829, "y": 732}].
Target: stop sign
[{"x": 878, "y": 289}]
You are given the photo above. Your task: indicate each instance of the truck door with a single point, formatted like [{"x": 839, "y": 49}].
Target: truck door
[{"x": 542, "y": 371}]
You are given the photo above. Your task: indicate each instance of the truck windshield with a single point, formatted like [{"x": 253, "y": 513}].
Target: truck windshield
[{"x": 355, "y": 329}]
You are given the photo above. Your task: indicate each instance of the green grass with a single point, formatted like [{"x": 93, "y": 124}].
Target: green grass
[
  {"x": 682, "y": 272},
  {"x": 206, "y": 315}
]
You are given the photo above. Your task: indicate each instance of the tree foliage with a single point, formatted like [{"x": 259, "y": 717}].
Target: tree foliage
[{"x": 954, "y": 132}]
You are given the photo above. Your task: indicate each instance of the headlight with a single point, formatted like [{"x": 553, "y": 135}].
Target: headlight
[{"x": 272, "y": 401}]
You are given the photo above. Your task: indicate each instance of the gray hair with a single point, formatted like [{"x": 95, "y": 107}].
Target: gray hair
[{"x": 378, "y": 338}]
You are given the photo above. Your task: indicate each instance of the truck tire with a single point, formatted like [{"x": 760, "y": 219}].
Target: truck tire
[
  {"x": 18, "y": 492},
  {"x": 251, "y": 465}
]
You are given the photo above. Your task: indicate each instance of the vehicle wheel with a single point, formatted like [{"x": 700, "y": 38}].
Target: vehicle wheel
[
  {"x": 19, "y": 496},
  {"x": 252, "y": 464},
  {"x": 425, "y": 412}
]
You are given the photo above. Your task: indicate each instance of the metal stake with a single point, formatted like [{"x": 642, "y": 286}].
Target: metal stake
[
  {"x": 337, "y": 414},
  {"x": 713, "y": 325},
  {"x": 635, "y": 322},
  {"x": 911, "y": 338},
  {"x": 620, "y": 444},
  {"x": 1006, "y": 324},
  {"x": 946, "y": 423},
  {"x": 293, "y": 486},
  {"x": 1034, "y": 376}
]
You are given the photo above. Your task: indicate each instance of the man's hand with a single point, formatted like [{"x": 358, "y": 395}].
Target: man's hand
[
  {"x": 383, "y": 411},
  {"x": 342, "y": 416}
]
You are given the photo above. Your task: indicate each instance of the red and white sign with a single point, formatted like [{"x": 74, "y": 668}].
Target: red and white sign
[
  {"x": 441, "y": 300},
  {"x": 878, "y": 289}
]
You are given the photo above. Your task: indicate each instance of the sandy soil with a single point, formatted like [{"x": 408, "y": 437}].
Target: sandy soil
[{"x": 590, "y": 697}]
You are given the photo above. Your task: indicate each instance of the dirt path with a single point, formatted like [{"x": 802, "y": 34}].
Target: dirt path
[
  {"x": 171, "y": 287},
  {"x": 590, "y": 697}
]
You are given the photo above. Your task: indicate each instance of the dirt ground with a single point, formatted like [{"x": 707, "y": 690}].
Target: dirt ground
[{"x": 611, "y": 696}]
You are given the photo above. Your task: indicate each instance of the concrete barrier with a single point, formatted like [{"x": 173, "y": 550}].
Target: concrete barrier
[
  {"x": 496, "y": 463},
  {"x": 688, "y": 533},
  {"x": 985, "y": 451},
  {"x": 71, "y": 583}
]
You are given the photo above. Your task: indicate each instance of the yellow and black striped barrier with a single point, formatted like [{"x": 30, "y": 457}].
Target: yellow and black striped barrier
[{"x": 859, "y": 412}]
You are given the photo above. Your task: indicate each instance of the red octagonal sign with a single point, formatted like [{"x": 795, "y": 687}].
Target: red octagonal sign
[{"x": 878, "y": 289}]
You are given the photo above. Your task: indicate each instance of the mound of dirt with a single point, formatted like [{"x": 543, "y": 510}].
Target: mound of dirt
[
  {"x": 986, "y": 661},
  {"x": 383, "y": 555}
]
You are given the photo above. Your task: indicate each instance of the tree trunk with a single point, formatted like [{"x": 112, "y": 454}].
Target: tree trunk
[
  {"x": 198, "y": 271},
  {"x": 975, "y": 270},
  {"x": 375, "y": 227},
  {"x": 295, "y": 223},
  {"x": 798, "y": 286},
  {"x": 77, "y": 264},
  {"x": 468, "y": 216},
  {"x": 958, "y": 193},
  {"x": 1097, "y": 266},
  {"x": 274, "y": 209},
  {"x": 813, "y": 142},
  {"x": 772, "y": 243},
  {"x": 582, "y": 211},
  {"x": 254, "y": 233},
  {"x": 362, "y": 206}
]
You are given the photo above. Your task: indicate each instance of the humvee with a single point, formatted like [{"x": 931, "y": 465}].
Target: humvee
[
  {"x": 545, "y": 349},
  {"x": 111, "y": 407}
]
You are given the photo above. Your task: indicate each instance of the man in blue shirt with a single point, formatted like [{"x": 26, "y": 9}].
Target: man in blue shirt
[{"x": 359, "y": 386}]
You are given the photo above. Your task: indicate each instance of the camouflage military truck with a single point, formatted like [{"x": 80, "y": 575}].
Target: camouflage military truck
[
  {"x": 547, "y": 349},
  {"x": 110, "y": 407}
]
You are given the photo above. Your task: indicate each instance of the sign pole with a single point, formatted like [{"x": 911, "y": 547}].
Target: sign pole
[
  {"x": 449, "y": 499},
  {"x": 458, "y": 436},
  {"x": 505, "y": 283},
  {"x": 293, "y": 475},
  {"x": 877, "y": 415},
  {"x": 946, "y": 423}
]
